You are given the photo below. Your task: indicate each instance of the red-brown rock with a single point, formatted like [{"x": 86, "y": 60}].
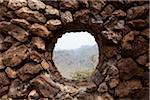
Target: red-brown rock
[
  {"x": 145, "y": 33},
  {"x": 82, "y": 15},
  {"x": 38, "y": 43},
  {"x": 69, "y": 4},
  {"x": 128, "y": 87},
  {"x": 4, "y": 90},
  {"x": 137, "y": 24},
  {"x": 35, "y": 56},
  {"x": 107, "y": 11},
  {"x": 142, "y": 59},
  {"x": 113, "y": 36},
  {"x": 16, "y": 4},
  {"x": 1, "y": 62},
  {"x": 3, "y": 11},
  {"x": 11, "y": 73},
  {"x": 127, "y": 39},
  {"x": 40, "y": 30},
  {"x": 18, "y": 33},
  {"x": 53, "y": 24},
  {"x": 28, "y": 71},
  {"x": 137, "y": 11},
  {"x": 109, "y": 51},
  {"x": 15, "y": 55},
  {"x": 96, "y": 5},
  {"x": 103, "y": 88},
  {"x": 28, "y": 14},
  {"x": 119, "y": 13},
  {"x": 3, "y": 79},
  {"x": 21, "y": 22},
  {"x": 66, "y": 17},
  {"x": 45, "y": 86},
  {"x": 140, "y": 46},
  {"x": 18, "y": 89},
  {"x": 128, "y": 68}
]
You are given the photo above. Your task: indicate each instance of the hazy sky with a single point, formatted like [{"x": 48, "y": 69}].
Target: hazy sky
[{"x": 74, "y": 40}]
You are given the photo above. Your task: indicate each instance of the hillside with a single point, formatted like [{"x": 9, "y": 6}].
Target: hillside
[{"x": 70, "y": 61}]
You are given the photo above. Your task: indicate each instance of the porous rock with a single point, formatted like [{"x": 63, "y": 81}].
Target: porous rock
[
  {"x": 38, "y": 43},
  {"x": 33, "y": 16},
  {"x": 51, "y": 11},
  {"x": 21, "y": 22},
  {"x": 36, "y": 4},
  {"x": 53, "y": 24},
  {"x": 40, "y": 30},
  {"x": 16, "y": 4}
]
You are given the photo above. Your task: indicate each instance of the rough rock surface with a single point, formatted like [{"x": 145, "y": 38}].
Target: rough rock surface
[
  {"x": 40, "y": 30},
  {"x": 29, "y": 30},
  {"x": 36, "y": 4},
  {"x": 128, "y": 68},
  {"x": 30, "y": 15},
  {"x": 128, "y": 87},
  {"x": 16, "y": 4},
  {"x": 51, "y": 11},
  {"x": 27, "y": 70},
  {"x": 15, "y": 55},
  {"x": 53, "y": 24}
]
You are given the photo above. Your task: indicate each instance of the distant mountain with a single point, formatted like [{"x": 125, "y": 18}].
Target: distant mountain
[{"x": 71, "y": 61}]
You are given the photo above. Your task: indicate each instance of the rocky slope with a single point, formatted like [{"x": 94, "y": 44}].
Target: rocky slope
[{"x": 70, "y": 61}]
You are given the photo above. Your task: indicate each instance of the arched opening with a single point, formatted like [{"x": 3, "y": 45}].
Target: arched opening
[{"x": 76, "y": 55}]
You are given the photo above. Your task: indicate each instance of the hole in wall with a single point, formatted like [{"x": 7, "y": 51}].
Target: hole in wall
[{"x": 76, "y": 55}]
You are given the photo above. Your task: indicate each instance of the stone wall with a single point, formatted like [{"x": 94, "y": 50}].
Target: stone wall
[{"x": 29, "y": 30}]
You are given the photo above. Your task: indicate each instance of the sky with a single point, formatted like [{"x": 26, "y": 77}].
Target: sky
[{"x": 74, "y": 40}]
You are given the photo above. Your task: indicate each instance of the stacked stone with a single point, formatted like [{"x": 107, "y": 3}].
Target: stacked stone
[{"x": 29, "y": 30}]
